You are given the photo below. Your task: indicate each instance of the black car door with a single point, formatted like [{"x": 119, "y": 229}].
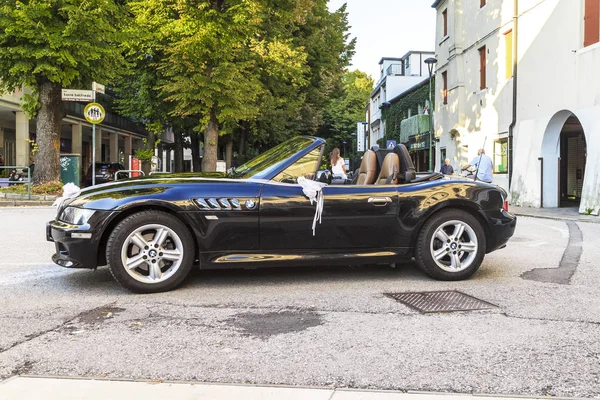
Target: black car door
[{"x": 353, "y": 216}]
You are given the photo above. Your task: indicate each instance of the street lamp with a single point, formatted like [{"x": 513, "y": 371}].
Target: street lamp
[
  {"x": 367, "y": 145},
  {"x": 430, "y": 63}
]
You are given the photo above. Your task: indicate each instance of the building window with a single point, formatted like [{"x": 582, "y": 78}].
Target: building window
[
  {"x": 482, "y": 68},
  {"x": 591, "y": 33},
  {"x": 481, "y": 3},
  {"x": 508, "y": 40},
  {"x": 445, "y": 17},
  {"x": 445, "y": 87},
  {"x": 501, "y": 156}
]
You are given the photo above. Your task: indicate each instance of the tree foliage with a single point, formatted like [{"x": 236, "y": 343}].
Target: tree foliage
[
  {"x": 346, "y": 108},
  {"x": 46, "y": 45},
  {"x": 255, "y": 70}
]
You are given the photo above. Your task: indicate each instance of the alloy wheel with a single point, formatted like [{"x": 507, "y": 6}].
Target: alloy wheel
[
  {"x": 454, "y": 246},
  {"x": 152, "y": 253}
]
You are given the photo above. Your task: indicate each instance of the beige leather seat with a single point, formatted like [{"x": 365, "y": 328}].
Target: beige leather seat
[
  {"x": 368, "y": 168},
  {"x": 389, "y": 168}
]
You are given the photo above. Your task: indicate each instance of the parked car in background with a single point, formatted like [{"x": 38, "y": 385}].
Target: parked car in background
[
  {"x": 151, "y": 231},
  {"x": 105, "y": 172}
]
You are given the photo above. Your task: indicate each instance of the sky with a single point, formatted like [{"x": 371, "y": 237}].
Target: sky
[{"x": 388, "y": 28}]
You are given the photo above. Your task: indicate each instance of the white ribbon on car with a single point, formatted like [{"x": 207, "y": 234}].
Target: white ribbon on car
[
  {"x": 70, "y": 191},
  {"x": 314, "y": 191}
]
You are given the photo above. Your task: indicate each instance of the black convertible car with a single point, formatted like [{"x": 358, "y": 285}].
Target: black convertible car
[{"x": 151, "y": 231}]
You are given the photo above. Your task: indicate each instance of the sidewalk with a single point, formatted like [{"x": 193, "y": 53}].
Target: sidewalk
[
  {"x": 571, "y": 214},
  {"x": 33, "y": 388}
]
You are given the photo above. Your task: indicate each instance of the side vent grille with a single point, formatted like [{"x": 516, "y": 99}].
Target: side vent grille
[{"x": 214, "y": 204}]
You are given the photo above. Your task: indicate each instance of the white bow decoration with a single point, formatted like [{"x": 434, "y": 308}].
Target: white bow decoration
[
  {"x": 314, "y": 191},
  {"x": 70, "y": 191}
]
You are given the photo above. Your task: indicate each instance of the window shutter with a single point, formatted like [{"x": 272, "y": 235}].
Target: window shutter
[{"x": 591, "y": 22}]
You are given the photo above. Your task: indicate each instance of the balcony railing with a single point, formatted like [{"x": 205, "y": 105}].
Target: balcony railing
[{"x": 394, "y": 69}]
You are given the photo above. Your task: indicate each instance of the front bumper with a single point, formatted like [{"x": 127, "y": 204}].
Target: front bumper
[
  {"x": 501, "y": 227},
  {"x": 77, "y": 245}
]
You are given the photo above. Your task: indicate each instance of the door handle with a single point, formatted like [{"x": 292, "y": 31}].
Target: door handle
[{"x": 379, "y": 201}]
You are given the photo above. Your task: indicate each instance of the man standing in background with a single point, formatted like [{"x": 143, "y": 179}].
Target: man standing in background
[{"x": 447, "y": 168}]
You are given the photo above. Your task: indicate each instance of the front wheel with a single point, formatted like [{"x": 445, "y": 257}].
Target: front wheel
[
  {"x": 150, "y": 251},
  {"x": 451, "y": 246}
]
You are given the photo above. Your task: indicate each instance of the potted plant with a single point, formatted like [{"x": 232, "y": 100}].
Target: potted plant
[{"x": 145, "y": 155}]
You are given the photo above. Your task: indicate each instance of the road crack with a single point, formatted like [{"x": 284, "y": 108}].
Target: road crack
[{"x": 30, "y": 337}]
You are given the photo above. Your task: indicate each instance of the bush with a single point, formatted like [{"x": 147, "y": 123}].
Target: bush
[
  {"x": 48, "y": 188},
  {"x": 52, "y": 188}
]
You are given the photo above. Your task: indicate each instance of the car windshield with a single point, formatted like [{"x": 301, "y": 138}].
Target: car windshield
[{"x": 271, "y": 160}]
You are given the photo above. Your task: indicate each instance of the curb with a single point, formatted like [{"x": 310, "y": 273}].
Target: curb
[
  {"x": 24, "y": 203},
  {"x": 591, "y": 221},
  {"x": 60, "y": 387}
]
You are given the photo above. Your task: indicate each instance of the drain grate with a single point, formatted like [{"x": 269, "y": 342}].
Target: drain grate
[{"x": 441, "y": 301}]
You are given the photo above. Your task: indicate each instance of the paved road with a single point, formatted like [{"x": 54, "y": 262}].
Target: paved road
[{"x": 313, "y": 327}]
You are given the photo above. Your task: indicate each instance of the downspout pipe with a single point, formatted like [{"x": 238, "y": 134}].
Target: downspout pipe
[{"x": 513, "y": 123}]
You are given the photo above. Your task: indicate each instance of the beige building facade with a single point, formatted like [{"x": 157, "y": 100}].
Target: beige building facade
[{"x": 549, "y": 51}]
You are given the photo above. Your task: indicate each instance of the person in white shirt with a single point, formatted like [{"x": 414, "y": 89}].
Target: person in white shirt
[{"x": 338, "y": 166}]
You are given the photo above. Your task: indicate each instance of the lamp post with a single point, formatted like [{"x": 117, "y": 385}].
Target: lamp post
[{"x": 430, "y": 63}]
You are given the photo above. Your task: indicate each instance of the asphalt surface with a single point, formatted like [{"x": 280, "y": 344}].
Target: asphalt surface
[{"x": 324, "y": 327}]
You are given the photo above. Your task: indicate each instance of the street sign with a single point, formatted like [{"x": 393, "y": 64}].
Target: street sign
[
  {"x": 94, "y": 113},
  {"x": 77, "y": 95},
  {"x": 360, "y": 136},
  {"x": 97, "y": 87},
  {"x": 391, "y": 144}
]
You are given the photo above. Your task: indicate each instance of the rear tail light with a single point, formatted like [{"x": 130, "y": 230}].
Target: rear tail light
[{"x": 505, "y": 205}]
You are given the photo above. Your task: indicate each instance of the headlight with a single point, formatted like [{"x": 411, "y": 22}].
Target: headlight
[{"x": 76, "y": 216}]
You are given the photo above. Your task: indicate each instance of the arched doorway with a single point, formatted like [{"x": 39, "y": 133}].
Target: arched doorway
[
  {"x": 573, "y": 155},
  {"x": 564, "y": 150}
]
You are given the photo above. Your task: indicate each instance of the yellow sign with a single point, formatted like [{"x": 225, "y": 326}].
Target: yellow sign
[{"x": 94, "y": 113}]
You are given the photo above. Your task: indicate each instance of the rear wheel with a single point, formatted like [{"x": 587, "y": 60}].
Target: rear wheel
[
  {"x": 150, "y": 251},
  {"x": 451, "y": 245}
]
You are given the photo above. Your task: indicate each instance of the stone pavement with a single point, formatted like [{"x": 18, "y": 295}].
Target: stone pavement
[
  {"x": 571, "y": 214},
  {"x": 33, "y": 388}
]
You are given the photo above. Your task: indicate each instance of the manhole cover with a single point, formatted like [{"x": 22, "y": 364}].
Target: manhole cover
[{"x": 441, "y": 301}]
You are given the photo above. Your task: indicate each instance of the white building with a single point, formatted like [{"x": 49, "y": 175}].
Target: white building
[
  {"x": 473, "y": 102},
  {"x": 555, "y": 47},
  {"x": 396, "y": 76}
]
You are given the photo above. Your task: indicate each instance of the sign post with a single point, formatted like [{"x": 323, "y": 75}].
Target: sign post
[
  {"x": 94, "y": 113},
  {"x": 77, "y": 95}
]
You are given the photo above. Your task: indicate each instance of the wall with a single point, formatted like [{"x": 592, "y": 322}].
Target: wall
[
  {"x": 557, "y": 78},
  {"x": 472, "y": 116}
]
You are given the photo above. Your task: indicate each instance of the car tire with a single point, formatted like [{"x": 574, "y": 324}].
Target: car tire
[
  {"x": 451, "y": 245},
  {"x": 150, "y": 251}
]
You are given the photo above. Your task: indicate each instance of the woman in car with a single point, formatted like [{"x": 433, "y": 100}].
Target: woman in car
[{"x": 338, "y": 166}]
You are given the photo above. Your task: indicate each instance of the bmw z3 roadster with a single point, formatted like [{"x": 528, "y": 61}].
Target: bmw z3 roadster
[{"x": 280, "y": 210}]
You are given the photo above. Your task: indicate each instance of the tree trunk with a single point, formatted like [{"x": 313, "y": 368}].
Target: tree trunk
[
  {"x": 178, "y": 153},
  {"x": 50, "y": 114},
  {"x": 196, "y": 165},
  {"x": 211, "y": 144},
  {"x": 242, "y": 149},
  {"x": 228, "y": 151}
]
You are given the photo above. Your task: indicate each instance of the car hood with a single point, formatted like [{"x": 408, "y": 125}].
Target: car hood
[{"x": 160, "y": 188}]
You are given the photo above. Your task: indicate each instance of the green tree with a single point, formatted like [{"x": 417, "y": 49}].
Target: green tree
[
  {"x": 46, "y": 45},
  {"x": 326, "y": 40},
  {"x": 347, "y": 107},
  {"x": 213, "y": 61},
  {"x": 291, "y": 109}
]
